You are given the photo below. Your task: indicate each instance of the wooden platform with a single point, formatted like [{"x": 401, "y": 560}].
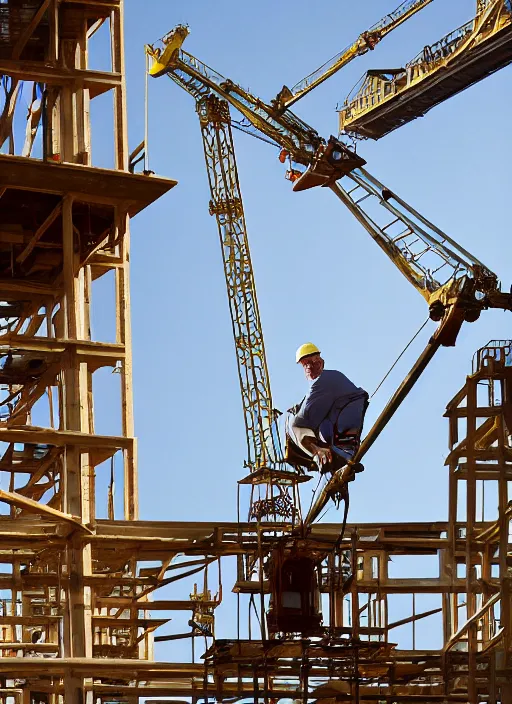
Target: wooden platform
[{"x": 85, "y": 183}]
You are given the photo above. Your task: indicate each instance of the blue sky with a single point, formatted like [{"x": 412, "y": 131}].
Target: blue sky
[{"x": 319, "y": 276}]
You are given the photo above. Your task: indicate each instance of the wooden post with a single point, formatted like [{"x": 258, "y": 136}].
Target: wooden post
[{"x": 123, "y": 336}]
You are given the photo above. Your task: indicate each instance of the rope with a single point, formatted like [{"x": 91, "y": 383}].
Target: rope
[
  {"x": 346, "y": 501},
  {"x": 146, "y": 116},
  {"x": 346, "y": 497},
  {"x": 238, "y": 126},
  {"x": 399, "y": 357},
  {"x": 315, "y": 490},
  {"x": 345, "y": 516}
]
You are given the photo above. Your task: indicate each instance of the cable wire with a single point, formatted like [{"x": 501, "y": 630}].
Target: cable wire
[
  {"x": 238, "y": 126},
  {"x": 146, "y": 117},
  {"x": 399, "y": 357},
  {"x": 315, "y": 490}
]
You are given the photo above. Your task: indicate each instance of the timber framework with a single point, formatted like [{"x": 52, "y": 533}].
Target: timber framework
[{"x": 80, "y": 611}]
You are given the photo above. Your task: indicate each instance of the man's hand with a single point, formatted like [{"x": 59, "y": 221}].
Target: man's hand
[{"x": 322, "y": 456}]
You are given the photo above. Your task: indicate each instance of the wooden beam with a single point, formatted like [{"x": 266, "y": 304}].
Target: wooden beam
[
  {"x": 111, "y": 622},
  {"x": 85, "y": 183},
  {"x": 31, "y": 647},
  {"x": 14, "y": 499},
  {"x": 29, "y": 29},
  {"x": 63, "y": 437},
  {"x": 93, "y": 667},
  {"x": 163, "y": 605},
  {"x": 94, "y": 353},
  {"x": 45, "y": 465},
  {"x": 39, "y": 233},
  {"x": 414, "y": 618},
  {"x": 471, "y": 620},
  {"x": 97, "y": 82},
  {"x": 105, "y": 5},
  {"x": 38, "y": 292},
  {"x": 28, "y": 620}
]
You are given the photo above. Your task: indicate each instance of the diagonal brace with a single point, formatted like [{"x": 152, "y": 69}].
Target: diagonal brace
[{"x": 14, "y": 499}]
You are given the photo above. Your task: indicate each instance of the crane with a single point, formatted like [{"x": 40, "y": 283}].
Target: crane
[
  {"x": 366, "y": 41},
  {"x": 273, "y": 485},
  {"x": 275, "y": 488},
  {"x": 389, "y": 98},
  {"x": 455, "y": 284}
]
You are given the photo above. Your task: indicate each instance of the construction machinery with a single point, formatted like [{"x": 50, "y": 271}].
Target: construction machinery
[
  {"x": 273, "y": 487},
  {"x": 387, "y": 98},
  {"x": 455, "y": 285},
  {"x": 367, "y": 41}
]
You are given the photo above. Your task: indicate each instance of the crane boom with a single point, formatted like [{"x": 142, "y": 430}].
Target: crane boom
[
  {"x": 365, "y": 42},
  {"x": 198, "y": 79},
  {"x": 437, "y": 266},
  {"x": 386, "y": 99}
]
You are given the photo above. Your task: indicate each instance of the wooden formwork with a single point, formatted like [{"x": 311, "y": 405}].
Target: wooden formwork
[{"x": 63, "y": 226}]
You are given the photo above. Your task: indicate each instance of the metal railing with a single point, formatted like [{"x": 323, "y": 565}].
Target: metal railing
[
  {"x": 373, "y": 88},
  {"x": 500, "y": 351}
]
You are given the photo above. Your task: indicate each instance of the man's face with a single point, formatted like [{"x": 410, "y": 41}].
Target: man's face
[{"x": 313, "y": 366}]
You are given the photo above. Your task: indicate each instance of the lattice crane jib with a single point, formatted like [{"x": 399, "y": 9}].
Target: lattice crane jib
[
  {"x": 365, "y": 42},
  {"x": 226, "y": 205},
  {"x": 385, "y": 99},
  {"x": 438, "y": 267}
]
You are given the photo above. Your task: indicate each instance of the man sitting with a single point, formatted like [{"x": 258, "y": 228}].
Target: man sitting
[{"x": 327, "y": 425}]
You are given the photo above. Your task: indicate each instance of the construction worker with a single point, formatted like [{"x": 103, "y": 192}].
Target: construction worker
[{"x": 327, "y": 424}]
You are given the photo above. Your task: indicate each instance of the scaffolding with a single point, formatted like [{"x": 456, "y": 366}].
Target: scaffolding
[
  {"x": 79, "y": 606},
  {"x": 63, "y": 227}
]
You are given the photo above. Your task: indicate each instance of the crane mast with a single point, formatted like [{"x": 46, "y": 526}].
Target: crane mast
[
  {"x": 364, "y": 43},
  {"x": 273, "y": 488},
  {"x": 263, "y": 447}
]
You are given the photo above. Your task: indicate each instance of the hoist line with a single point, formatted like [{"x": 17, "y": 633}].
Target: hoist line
[
  {"x": 237, "y": 126},
  {"x": 400, "y": 356},
  {"x": 146, "y": 116},
  {"x": 314, "y": 493}
]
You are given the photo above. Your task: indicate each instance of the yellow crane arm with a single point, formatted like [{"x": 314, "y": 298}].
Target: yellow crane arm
[
  {"x": 437, "y": 266},
  {"x": 365, "y": 42},
  {"x": 456, "y": 285}
]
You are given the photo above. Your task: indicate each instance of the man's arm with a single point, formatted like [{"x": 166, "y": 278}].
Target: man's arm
[{"x": 317, "y": 404}]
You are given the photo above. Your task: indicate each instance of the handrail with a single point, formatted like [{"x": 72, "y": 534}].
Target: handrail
[{"x": 428, "y": 59}]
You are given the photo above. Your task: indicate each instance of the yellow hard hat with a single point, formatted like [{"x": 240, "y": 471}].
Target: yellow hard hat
[{"x": 306, "y": 349}]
